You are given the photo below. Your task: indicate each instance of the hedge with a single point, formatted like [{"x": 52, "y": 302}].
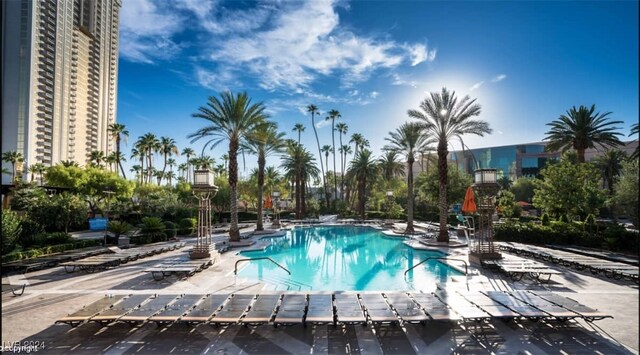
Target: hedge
[{"x": 32, "y": 253}]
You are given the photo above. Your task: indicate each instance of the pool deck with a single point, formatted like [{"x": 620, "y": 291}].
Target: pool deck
[{"x": 52, "y": 294}]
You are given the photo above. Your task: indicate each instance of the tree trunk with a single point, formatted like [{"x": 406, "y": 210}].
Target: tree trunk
[
  {"x": 443, "y": 235},
  {"x": 261, "y": 163},
  {"x": 409, "y": 229},
  {"x": 298, "y": 189},
  {"x": 324, "y": 180},
  {"x": 333, "y": 141},
  {"x": 580, "y": 152},
  {"x": 234, "y": 233},
  {"x": 362, "y": 185},
  {"x": 341, "y": 171},
  {"x": 303, "y": 196}
]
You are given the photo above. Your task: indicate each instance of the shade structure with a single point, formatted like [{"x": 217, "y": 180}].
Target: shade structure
[
  {"x": 267, "y": 202},
  {"x": 469, "y": 205}
]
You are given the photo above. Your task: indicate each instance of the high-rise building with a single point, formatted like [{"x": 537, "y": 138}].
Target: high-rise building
[{"x": 59, "y": 78}]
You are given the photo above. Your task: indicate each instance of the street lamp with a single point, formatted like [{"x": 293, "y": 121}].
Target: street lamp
[
  {"x": 486, "y": 188},
  {"x": 106, "y": 213},
  {"x": 203, "y": 189},
  {"x": 275, "y": 195}
]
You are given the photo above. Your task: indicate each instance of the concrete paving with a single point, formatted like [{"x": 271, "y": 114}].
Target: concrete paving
[{"x": 52, "y": 294}]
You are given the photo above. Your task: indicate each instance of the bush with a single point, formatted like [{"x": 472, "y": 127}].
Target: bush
[
  {"x": 11, "y": 230},
  {"x": 152, "y": 230},
  {"x": 563, "y": 218},
  {"x": 57, "y": 238},
  {"x": 30, "y": 230},
  {"x": 32, "y": 253},
  {"x": 545, "y": 219},
  {"x": 187, "y": 226},
  {"x": 119, "y": 228},
  {"x": 171, "y": 229}
]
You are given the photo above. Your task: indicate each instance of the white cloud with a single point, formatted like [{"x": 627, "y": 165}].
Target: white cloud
[
  {"x": 401, "y": 81},
  {"x": 499, "y": 78},
  {"x": 374, "y": 94},
  {"x": 146, "y": 31},
  {"x": 476, "y": 86},
  {"x": 419, "y": 53}
]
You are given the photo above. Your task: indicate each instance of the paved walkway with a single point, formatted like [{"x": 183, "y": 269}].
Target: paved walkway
[{"x": 52, "y": 294}]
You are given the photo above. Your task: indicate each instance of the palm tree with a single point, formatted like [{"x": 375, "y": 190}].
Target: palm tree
[
  {"x": 229, "y": 118},
  {"x": 580, "y": 129},
  {"x": 38, "y": 168},
  {"x": 168, "y": 147},
  {"x": 313, "y": 109},
  {"x": 96, "y": 157},
  {"x": 188, "y": 152},
  {"x": 146, "y": 146},
  {"x": 634, "y": 131},
  {"x": 171, "y": 162},
  {"x": 137, "y": 152},
  {"x": 118, "y": 131},
  {"x": 225, "y": 157},
  {"x": 364, "y": 168},
  {"x": 69, "y": 163},
  {"x": 299, "y": 127},
  {"x": 170, "y": 175},
  {"x": 359, "y": 142},
  {"x": 326, "y": 149},
  {"x": 444, "y": 118},
  {"x": 263, "y": 141},
  {"x": 342, "y": 129},
  {"x": 299, "y": 165},
  {"x": 504, "y": 182},
  {"x": 111, "y": 161},
  {"x": 390, "y": 166},
  {"x": 610, "y": 165},
  {"x": 407, "y": 140},
  {"x": 182, "y": 169},
  {"x": 137, "y": 170},
  {"x": 333, "y": 116}
]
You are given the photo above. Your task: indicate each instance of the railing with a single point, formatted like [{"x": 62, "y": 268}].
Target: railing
[
  {"x": 235, "y": 268},
  {"x": 466, "y": 267}
]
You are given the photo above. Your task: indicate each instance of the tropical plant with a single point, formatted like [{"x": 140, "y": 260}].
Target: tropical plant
[
  {"x": 407, "y": 140},
  {"x": 580, "y": 129},
  {"x": 152, "y": 229},
  {"x": 299, "y": 127},
  {"x": 118, "y": 131},
  {"x": 634, "y": 131},
  {"x": 333, "y": 116},
  {"x": 313, "y": 110},
  {"x": 168, "y": 148},
  {"x": 504, "y": 182},
  {"x": 11, "y": 229},
  {"x": 626, "y": 191},
  {"x": 326, "y": 149},
  {"x": 446, "y": 118},
  {"x": 14, "y": 158},
  {"x": 299, "y": 166},
  {"x": 610, "y": 166},
  {"x": 39, "y": 169},
  {"x": 188, "y": 153},
  {"x": 523, "y": 189},
  {"x": 230, "y": 118},
  {"x": 68, "y": 163},
  {"x": 119, "y": 228},
  {"x": 342, "y": 129},
  {"x": 263, "y": 141},
  {"x": 364, "y": 169},
  {"x": 507, "y": 204},
  {"x": 96, "y": 158}
]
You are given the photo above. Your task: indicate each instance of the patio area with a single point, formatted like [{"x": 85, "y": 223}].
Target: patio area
[{"x": 52, "y": 294}]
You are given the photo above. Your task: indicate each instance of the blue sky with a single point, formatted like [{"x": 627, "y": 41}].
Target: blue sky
[{"x": 525, "y": 63}]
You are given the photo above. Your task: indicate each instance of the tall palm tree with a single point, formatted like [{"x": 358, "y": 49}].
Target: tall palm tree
[
  {"x": 364, "y": 168},
  {"x": 168, "y": 148},
  {"x": 69, "y": 163},
  {"x": 188, "y": 152},
  {"x": 444, "y": 118},
  {"x": 634, "y": 131},
  {"x": 96, "y": 157},
  {"x": 39, "y": 169},
  {"x": 182, "y": 169},
  {"x": 390, "y": 166},
  {"x": 118, "y": 132},
  {"x": 326, "y": 149},
  {"x": 137, "y": 170},
  {"x": 580, "y": 129},
  {"x": 263, "y": 141},
  {"x": 147, "y": 145},
  {"x": 358, "y": 141},
  {"x": 170, "y": 175},
  {"x": 299, "y": 165},
  {"x": 136, "y": 152},
  {"x": 171, "y": 162},
  {"x": 299, "y": 127},
  {"x": 610, "y": 165},
  {"x": 342, "y": 129},
  {"x": 225, "y": 157},
  {"x": 111, "y": 161},
  {"x": 229, "y": 118},
  {"x": 313, "y": 110},
  {"x": 407, "y": 140},
  {"x": 333, "y": 116}
]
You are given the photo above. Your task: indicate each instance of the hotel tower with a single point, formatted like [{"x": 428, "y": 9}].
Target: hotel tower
[{"x": 59, "y": 78}]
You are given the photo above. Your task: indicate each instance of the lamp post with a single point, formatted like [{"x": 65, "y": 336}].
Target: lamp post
[
  {"x": 275, "y": 195},
  {"x": 106, "y": 213},
  {"x": 203, "y": 189},
  {"x": 389, "y": 200},
  {"x": 485, "y": 187}
]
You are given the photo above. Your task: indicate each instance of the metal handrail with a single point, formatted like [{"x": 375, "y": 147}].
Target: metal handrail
[
  {"x": 235, "y": 268},
  {"x": 466, "y": 268}
]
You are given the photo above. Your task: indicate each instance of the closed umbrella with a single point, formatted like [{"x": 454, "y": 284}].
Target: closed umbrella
[
  {"x": 267, "y": 202},
  {"x": 469, "y": 205}
]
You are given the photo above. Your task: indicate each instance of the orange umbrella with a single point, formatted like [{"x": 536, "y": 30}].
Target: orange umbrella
[
  {"x": 267, "y": 202},
  {"x": 469, "y": 205}
]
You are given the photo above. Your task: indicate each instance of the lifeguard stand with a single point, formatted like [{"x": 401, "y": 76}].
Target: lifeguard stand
[{"x": 485, "y": 187}]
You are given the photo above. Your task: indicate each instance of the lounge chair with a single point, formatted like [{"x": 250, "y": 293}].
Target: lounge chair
[
  {"x": 232, "y": 310},
  {"x": 467, "y": 310},
  {"x": 320, "y": 309},
  {"x": 262, "y": 310},
  {"x": 146, "y": 310},
  {"x": 434, "y": 307},
  {"x": 517, "y": 305},
  {"x": 406, "y": 308},
  {"x": 292, "y": 310},
  {"x": 17, "y": 290},
  {"x": 494, "y": 308},
  {"x": 90, "y": 310},
  {"x": 377, "y": 308},
  {"x": 587, "y": 313},
  {"x": 119, "y": 309},
  {"x": 349, "y": 310},
  {"x": 176, "y": 309},
  {"x": 205, "y": 309}
]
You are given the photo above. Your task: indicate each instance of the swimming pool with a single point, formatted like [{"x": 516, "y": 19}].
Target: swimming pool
[{"x": 343, "y": 258}]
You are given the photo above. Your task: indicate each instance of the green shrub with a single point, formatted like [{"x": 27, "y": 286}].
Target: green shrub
[
  {"x": 545, "y": 219},
  {"x": 32, "y": 253},
  {"x": 152, "y": 230},
  {"x": 119, "y": 228},
  {"x": 58, "y": 238},
  {"x": 30, "y": 230},
  {"x": 171, "y": 229},
  {"x": 11, "y": 230},
  {"x": 563, "y": 218},
  {"x": 187, "y": 226}
]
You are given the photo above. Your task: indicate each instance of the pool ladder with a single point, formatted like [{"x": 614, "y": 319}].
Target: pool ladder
[
  {"x": 235, "y": 268},
  {"x": 466, "y": 267}
]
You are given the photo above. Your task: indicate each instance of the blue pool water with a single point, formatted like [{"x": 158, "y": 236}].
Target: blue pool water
[{"x": 344, "y": 259}]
